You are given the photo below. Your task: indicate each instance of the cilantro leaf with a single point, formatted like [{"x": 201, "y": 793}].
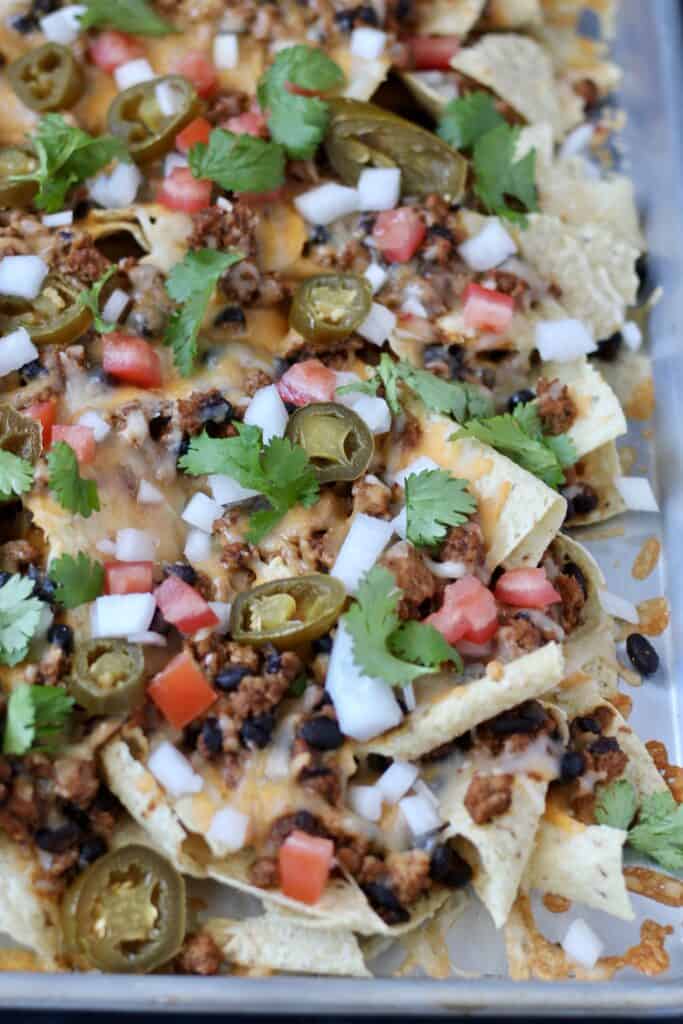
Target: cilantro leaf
[
  {"x": 134, "y": 16},
  {"x": 191, "y": 282},
  {"x": 616, "y": 804},
  {"x": 498, "y": 177},
  {"x": 298, "y": 122},
  {"x": 435, "y": 500},
  {"x": 89, "y": 298},
  {"x": 659, "y": 831},
  {"x": 16, "y": 475},
  {"x": 79, "y": 580},
  {"x": 35, "y": 715},
  {"x": 66, "y": 157},
  {"x": 19, "y": 617},
  {"x": 281, "y": 471},
  {"x": 379, "y": 639},
  {"x": 239, "y": 163},
  {"x": 74, "y": 492},
  {"x": 466, "y": 119}
]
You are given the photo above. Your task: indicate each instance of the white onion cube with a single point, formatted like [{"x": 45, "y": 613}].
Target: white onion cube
[
  {"x": 489, "y": 248},
  {"x": 367, "y": 43},
  {"x": 173, "y": 771},
  {"x": 228, "y": 831},
  {"x": 327, "y": 203},
  {"x": 120, "y": 615},
  {"x": 420, "y": 814},
  {"x": 582, "y": 944},
  {"x": 173, "y": 160},
  {"x": 135, "y": 545},
  {"x": 22, "y": 276},
  {"x": 170, "y": 99},
  {"x": 116, "y": 188},
  {"x": 58, "y": 220},
  {"x": 396, "y": 781},
  {"x": 197, "y": 546},
  {"x": 63, "y": 26},
  {"x": 379, "y": 188},
  {"x": 16, "y": 349},
  {"x": 96, "y": 423},
  {"x": 115, "y": 305},
  {"x": 134, "y": 72},
  {"x": 227, "y": 491},
  {"x": 148, "y": 494},
  {"x": 201, "y": 511},
  {"x": 563, "y": 340},
  {"x": 364, "y": 543},
  {"x": 378, "y": 324},
  {"x": 374, "y": 412},
  {"x": 366, "y": 801},
  {"x": 365, "y": 706},
  {"x": 376, "y": 275},
  {"x": 226, "y": 50},
  {"x": 267, "y": 411}
]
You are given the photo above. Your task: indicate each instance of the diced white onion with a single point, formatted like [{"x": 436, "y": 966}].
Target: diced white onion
[
  {"x": 133, "y": 72},
  {"x": 173, "y": 160},
  {"x": 226, "y": 50},
  {"x": 414, "y": 308},
  {"x": 577, "y": 141},
  {"x": 224, "y": 203},
  {"x": 582, "y": 944},
  {"x": 364, "y": 543},
  {"x": 197, "y": 546},
  {"x": 221, "y": 610},
  {"x": 618, "y": 606},
  {"x": 228, "y": 830},
  {"x": 63, "y": 26},
  {"x": 173, "y": 771},
  {"x": 489, "y": 248},
  {"x": 422, "y": 789},
  {"x": 365, "y": 706},
  {"x": 22, "y": 276},
  {"x": 106, "y": 547},
  {"x": 409, "y": 699},
  {"x": 16, "y": 349},
  {"x": 378, "y": 324},
  {"x": 637, "y": 493},
  {"x": 376, "y": 275},
  {"x": 327, "y": 203},
  {"x": 374, "y": 412},
  {"x": 447, "y": 570},
  {"x": 632, "y": 335},
  {"x": 379, "y": 188},
  {"x": 399, "y": 523},
  {"x": 58, "y": 220},
  {"x": 267, "y": 411},
  {"x": 563, "y": 340},
  {"x": 148, "y": 494},
  {"x": 367, "y": 43},
  {"x": 169, "y": 98},
  {"x": 227, "y": 491},
  {"x": 120, "y": 615},
  {"x": 397, "y": 780},
  {"x": 201, "y": 511},
  {"x": 99, "y": 426},
  {"x": 115, "y": 305},
  {"x": 420, "y": 813},
  {"x": 148, "y": 638},
  {"x": 135, "y": 545},
  {"x": 418, "y": 465},
  {"x": 545, "y": 624},
  {"x": 279, "y": 751},
  {"x": 116, "y": 188},
  {"x": 366, "y": 801}
]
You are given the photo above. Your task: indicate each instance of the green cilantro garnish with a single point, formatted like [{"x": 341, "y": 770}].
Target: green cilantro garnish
[
  {"x": 499, "y": 177},
  {"x": 66, "y": 156},
  {"x": 520, "y": 437},
  {"x": 19, "y": 617},
  {"x": 79, "y": 580},
  {"x": 452, "y": 398},
  {"x": 298, "y": 122},
  {"x": 74, "y": 492},
  {"x": 16, "y": 475},
  {"x": 239, "y": 163},
  {"x": 658, "y": 832},
  {"x": 382, "y": 647},
  {"x": 35, "y": 716},
  {"x": 191, "y": 282},
  {"x": 280, "y": 471},
  {"x": 134, "y": 16},
  {"x": 89, "y": 298},
  {"x": 466, "y": 119},
  {"x": 435, "y": 500}
]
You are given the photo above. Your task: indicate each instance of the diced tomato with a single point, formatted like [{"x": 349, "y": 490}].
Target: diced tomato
[
  {"x": 251, "y": 123},
  {"x": 182, "y": 191},
  {"x": 110, "y": 49},
  {"x": 128, "y": 577},
  {"x": 487, "y": 309},
  {"x": 196, "y": 131},
  {"x": 433, "y": 53},
  {"x": 199, "y": 70},
  {"x": 305, "y": 862},
  {"x": 526, "y": 588},
  {"x": 468, "y": 612},
  {"x": 81, "y": 439},
  {"x": 181, "y": 691},
  {"x": 399, "y": 233},
  {"x": 46, "y": 414},
  {"x": 132, "y": 360},
  {"x": 309, "y": 381},
  {"x": 183, "y": 606}
]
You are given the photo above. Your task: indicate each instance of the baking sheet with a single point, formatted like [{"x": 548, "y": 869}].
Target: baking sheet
[{"x": 649, "y": 48}]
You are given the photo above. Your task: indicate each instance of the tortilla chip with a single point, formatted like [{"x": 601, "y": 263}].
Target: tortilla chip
[
  {"x": 453, "y": 713},
  {"x": 447, "y": 17},
  {"x": 584, "y": 866},
  {"x": 29, "y": 917},
  {"x": 600, "y": 469},
  {"x": 600, "y": 416},
  {"x": 163, "y": 233}
]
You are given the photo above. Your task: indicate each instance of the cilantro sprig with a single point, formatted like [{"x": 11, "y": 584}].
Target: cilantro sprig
[
  {"x": 658, "y": 832},
  {"x": 78, "y": 580},
  {"x": 74, "y": 492},
  {"x": 435, "y": 500},
  {"x": 280, "y": 471},
  {"x": 191, "y": 282},
  {"x": 35, "y": 717},
  {"x": 466, "y": 119},
  {"x": 519, "y": 435},
  {"x": 66, "y": 156},
  {"x": 384, "y": 648},
  {"x": 16, "y": 475},
  {"x": 239, "y": 163},
  {"x": 19, "y": 618},
  {"x": 134, "y": 16},
  {"x": 298, "y": 122},
  {"x": 89, "y": 298}
]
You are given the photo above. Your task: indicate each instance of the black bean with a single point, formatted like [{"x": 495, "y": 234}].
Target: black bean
[
  {"x": 604, "y": 745},
  {"x": 319, "y": 235},
  {"x": 183, "y": 571},
  {"x": 447, "y": 867},
  {"x": 520, "y": 397},
  {"x": 366, "y": 222},
  {"x": 572, "y": 569},
  {"x": 572, "y": 765},
  {"x": 40, "y": 7},
  {"x": 323, "y": 645},
  {"x": 230, "y": 315},
  {"x": 256, "y": 732},
  {"x": 230, "y": 678},
  {"x": 218, "y": 410},
  {"x": 434, "y": 354},
  {"x": 643, "y": 656},
  {"x": 585, "y": 502},
  {"x": 106, "y": 801},
  {"x": 62, "y": 636},
  {"x": 29, "y": 371},
  {"x": 82, "y": 209},
  {"x": 77, "y": 815},
  {"x": 526, "y": 718},
  {"x": 322, "y": 733},
  {"x": 378, "y": 763},
  {"x": 305, "y": 821},
  {"x": 91, "y": 850},
  {"x": 273, "y": 663},
  {"x": 587, "y": 724},
  {"x": 159, "y": 623},
  {"x": 441, "y": 231},
  {"x": 368, "y": 15},
  {"x": 191, "y": 734},
  {"x": 157, "y": 426},
  {"x": 345, "y": 20},
  {"x": 43, "y": 588},
  {"x": 384, "y": 899},
  {"x": 24, "y": 23},
  {"x": 212, "y": 736},
  {"x": 608, "y": 349},
  {"x": 57, "y": 840}
]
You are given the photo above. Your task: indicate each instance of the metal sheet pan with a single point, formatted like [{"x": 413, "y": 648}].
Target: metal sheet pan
[{"x": 649, "y": 48}]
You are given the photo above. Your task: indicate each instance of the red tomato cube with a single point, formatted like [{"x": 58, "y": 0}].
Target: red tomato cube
[{"x": 181, "y": 691}]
